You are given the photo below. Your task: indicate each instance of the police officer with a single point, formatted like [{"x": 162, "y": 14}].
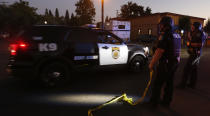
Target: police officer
[
  {"x": 195, "y": 44},
  {"x": 168, "y": 56}
]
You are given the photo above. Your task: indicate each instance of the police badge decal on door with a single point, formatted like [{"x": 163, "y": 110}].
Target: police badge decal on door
[{"x": 115, "y": 52}]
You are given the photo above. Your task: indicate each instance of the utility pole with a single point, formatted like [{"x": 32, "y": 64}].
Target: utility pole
[{"x": 102, "y": 14}]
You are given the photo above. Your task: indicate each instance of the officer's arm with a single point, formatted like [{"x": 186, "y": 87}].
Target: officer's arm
[{"x": 158, "y": 54}]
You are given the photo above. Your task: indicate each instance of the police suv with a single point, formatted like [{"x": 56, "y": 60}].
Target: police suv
[{"x": 51, "y": 53}]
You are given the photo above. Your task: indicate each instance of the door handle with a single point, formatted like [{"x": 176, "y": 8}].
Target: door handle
[{"x": 105, "y": 47}]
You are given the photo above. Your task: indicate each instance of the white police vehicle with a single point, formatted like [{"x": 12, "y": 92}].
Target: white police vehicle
[{"x": 52, "y": 53}]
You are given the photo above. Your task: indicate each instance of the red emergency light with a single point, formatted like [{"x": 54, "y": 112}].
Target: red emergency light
[{"x": 15, "y": 47}]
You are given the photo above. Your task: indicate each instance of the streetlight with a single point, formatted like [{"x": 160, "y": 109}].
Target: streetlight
[
  {"x": 182, "y": 32},
  {"x": 102, "y": 14},
  {"x": 45, "y": 22}
]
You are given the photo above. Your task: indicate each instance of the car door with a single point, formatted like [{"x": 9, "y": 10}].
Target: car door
[
  {"x": 83, "y": 47},
  {"x": 111, "y": 50}
]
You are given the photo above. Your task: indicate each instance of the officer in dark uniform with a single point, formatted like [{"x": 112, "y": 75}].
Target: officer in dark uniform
[
  {"x": 168, "y": 55},
  {"x": 195, "y": 44}
]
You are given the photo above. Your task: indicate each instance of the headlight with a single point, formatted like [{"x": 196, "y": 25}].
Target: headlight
[{"x": 146, "y": 50}]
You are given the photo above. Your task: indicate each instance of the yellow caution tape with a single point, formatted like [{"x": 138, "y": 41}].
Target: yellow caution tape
[{"x": 123, "y": 98}]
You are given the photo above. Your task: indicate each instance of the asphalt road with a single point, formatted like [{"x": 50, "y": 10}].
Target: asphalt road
[{"x": 91, "y": 88}]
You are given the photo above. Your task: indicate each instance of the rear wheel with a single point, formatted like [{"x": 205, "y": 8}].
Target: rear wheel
[
  {"x": 136, "y": 64},
  {"x": 54, "y": 74}
]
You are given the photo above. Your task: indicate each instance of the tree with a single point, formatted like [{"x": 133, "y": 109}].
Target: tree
[
  {"x": 85, "y": 11},
  {"x": 48, "y": 17},
  {"x": 57, "y": 18},
  {"x": 5, "y": 13},
  {"x": 133, "y": 10},
  {"x": 148, "y": 11},
  {"x": 67, "y": 15},
  {"x": 66, "y": 18},
  {"x": 207, "y": 26},
  {"x": 51, "y": 19},
  {"x": 17, "y": 16},
  {"x": 61, "y": 20},
  {"x": 74, "y": 20},
  {"x": 56, "y": 13},
  {"x": 50, "y": 13},
  {"x": 23, "y": 13},
  {"x": 46, "y": 12}
]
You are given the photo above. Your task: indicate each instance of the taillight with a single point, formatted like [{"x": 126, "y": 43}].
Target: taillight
[
  {"x": 22, "y": 45},
  {"x": 15, "y": 47}
]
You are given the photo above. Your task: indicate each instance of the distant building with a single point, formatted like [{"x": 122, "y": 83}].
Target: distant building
[
  {"x": 121, "y": 28},
  {"x": 147, "y": 25}
]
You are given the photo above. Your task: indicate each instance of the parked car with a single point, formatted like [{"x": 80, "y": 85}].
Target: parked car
[{"x": 51, "y": 53}]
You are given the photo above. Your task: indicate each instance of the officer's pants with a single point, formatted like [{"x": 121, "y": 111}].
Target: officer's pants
[
  {"x": 190, "y": 71},
  {"x": 164, "y": 77}
]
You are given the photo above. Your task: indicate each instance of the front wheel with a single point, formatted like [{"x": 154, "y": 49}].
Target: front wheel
[
  {"x": 136, "y": 64},
  {"x": 54, "y": 74}
]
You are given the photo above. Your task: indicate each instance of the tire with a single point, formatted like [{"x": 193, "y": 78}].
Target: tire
[
  {"x": 54, "y": 74},
  {"x": 136, "y": 64}
]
